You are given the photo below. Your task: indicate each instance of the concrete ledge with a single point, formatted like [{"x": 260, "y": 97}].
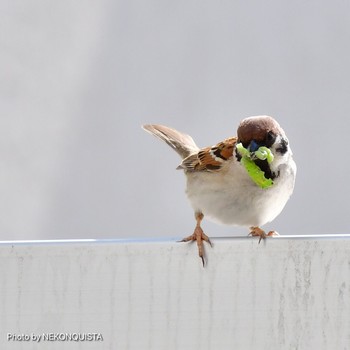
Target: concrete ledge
[{"x": 290, "y": 293}]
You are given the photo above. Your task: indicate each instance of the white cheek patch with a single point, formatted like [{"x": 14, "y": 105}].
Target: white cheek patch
[{"x": 279, "y": 158}]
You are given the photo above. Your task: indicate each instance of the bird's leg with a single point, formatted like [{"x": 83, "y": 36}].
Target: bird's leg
[
  {"x": 258, "y": 232},
  {"x": 199, "y": 236}
]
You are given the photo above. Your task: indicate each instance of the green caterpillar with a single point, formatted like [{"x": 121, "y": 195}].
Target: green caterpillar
[{"x": 255, "y": 173}]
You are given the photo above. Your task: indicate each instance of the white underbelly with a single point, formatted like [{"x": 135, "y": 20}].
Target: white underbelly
[{"x": 232, "y": 198}]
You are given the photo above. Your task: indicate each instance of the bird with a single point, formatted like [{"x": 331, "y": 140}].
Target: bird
[{"x": 222, "y": 188}]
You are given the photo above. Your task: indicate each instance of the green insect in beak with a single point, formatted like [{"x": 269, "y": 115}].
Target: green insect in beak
[{"x": 247, "y": 160}]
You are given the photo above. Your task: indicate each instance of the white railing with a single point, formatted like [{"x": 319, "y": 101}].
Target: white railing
[{"x": 286, "y": 293}]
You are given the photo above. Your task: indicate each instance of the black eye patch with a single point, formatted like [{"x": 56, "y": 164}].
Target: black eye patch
[{"x": 283, "y": 147}]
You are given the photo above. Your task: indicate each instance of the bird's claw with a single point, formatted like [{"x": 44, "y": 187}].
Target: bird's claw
[
  {"x": 199, "y": 236},
  {"x": 258, "y": 232}
]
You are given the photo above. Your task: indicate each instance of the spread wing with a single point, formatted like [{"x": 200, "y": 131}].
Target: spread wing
[{"x": 210, "y": 158}]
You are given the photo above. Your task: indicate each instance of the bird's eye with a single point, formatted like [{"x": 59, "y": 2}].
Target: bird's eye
[{"x": 270, "y": 138}]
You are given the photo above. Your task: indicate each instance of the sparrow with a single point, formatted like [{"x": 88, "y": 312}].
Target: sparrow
[{"x": 219, "y": 186}]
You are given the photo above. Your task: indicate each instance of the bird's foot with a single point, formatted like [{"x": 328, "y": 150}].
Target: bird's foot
[
  {"x": 258, "y": 232},
  {"x": 199, "y": 236}
]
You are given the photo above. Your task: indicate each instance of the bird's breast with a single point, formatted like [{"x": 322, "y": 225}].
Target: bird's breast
[{"x": 230, "y": 197}]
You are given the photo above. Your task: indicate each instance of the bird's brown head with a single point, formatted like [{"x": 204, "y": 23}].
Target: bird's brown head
[
  {"x": 254, "y": 132},
  {"x": 261, "y": 129}
]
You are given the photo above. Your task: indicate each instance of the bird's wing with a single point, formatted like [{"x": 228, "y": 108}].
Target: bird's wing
[{"x": 210, "y": 158}]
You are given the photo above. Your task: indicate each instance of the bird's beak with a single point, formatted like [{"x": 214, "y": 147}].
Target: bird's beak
[{"x": 253, "y": 146}]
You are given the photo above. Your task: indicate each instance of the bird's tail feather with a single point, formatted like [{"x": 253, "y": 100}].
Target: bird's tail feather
[{"x": 183, "y": 144}]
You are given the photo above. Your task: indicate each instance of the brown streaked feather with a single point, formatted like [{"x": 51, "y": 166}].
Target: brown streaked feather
[{"x": 210, "y": 158}]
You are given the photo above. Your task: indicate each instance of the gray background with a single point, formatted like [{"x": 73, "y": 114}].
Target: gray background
[{"x": 78, "y": 79}]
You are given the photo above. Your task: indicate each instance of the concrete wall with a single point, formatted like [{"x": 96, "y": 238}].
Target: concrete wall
[{"x": 287, "y": 293}]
